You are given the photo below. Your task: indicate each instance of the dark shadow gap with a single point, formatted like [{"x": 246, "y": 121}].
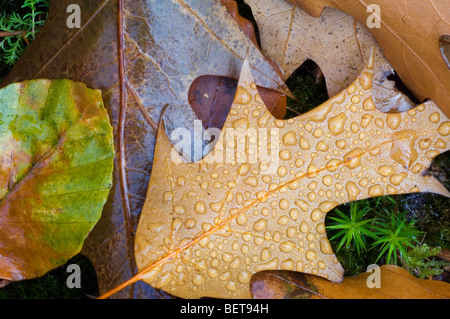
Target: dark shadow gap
[{"x": 308, "y": 85}]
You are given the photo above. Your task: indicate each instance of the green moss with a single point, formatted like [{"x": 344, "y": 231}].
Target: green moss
[{"x": 422, "y": 264}]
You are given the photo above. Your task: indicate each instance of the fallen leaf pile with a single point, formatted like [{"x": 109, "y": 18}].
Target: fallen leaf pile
[
  {"x": 138, "y": 66},
  {"x": 207, "y": 227}
]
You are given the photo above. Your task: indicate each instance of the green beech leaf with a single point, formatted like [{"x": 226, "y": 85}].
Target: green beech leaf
[{"x": 56, "y": 163}]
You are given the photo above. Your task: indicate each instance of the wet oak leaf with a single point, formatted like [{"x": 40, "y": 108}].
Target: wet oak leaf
[
  {"x": 395, "y": 283},
  {"x": 409, "y": 34},
  {"x": 56, "y": 164},
  {"x": 206, "y": 227}
]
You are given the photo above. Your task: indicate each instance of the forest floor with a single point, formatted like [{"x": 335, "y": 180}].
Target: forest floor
[{"x": 431, "y": 212}]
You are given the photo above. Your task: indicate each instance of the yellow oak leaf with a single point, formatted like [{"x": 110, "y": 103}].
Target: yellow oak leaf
[{"x": 258, "y": 201}]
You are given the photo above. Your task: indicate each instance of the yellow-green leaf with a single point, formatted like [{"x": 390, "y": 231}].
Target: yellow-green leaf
[{"x": 56, "y": 162}]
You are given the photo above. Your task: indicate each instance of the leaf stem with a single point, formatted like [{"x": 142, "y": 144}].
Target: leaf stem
[{"x": 11, "y": 34}]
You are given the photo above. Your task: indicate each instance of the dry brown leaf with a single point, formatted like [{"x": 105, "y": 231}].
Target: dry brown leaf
[
  {"x": 395, "y": 283},
  {"x": 206, "y": 227},
  {"x": 245, "y": 24},
  {"x": 335, "y": 41},
  {"x": 409, "y": 35}
]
